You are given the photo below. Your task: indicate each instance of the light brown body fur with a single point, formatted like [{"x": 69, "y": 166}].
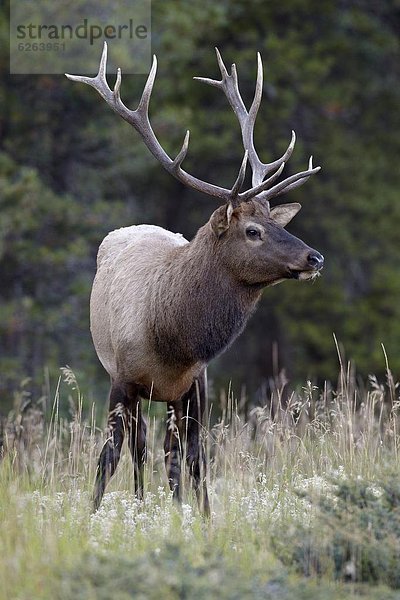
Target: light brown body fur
[{"x": 154, "y": 299}]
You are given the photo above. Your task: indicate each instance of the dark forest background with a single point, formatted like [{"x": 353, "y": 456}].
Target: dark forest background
[{"x": 71, "y": 170}]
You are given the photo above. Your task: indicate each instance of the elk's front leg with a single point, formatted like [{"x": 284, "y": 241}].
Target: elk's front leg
[
  {"x": 111, "y": 451},
  {"x": 183, "y": 438},
  {"x": 193, "y": 411},
  {"x": 136, "y": 438}
]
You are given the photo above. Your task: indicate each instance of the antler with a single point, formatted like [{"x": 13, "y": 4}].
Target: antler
[
  {"x": 229, "y": 85},
  {"x": 139, "y": 119}
]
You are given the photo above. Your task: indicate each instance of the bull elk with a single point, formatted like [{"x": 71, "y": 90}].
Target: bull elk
[{"x": 162, "y": 307}]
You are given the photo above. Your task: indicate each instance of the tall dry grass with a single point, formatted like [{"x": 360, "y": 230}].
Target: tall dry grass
[{"x": 269, "y": 475}]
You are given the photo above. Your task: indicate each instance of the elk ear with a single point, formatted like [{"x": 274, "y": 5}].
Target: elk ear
[
  {"x": 221, "y": 218},
  {"x": 284, "y": 213}
]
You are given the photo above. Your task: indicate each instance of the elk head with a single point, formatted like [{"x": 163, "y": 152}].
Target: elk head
[
  {"x": 249, "y": 234},
  {"x": 256, "y": 248}
]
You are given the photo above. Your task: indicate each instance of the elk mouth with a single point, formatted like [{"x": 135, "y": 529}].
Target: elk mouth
[{"x": 303, "y": 275}]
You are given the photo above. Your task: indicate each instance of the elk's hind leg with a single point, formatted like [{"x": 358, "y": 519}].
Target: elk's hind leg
[
  {"x": 193, "y": 412},
  {"x": 111, "y": 451}
]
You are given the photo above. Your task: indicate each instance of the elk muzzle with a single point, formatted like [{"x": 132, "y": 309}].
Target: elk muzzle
[{"x": 313, "y": 265}]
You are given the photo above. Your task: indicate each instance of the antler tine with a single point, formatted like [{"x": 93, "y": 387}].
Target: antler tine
[
  {"x": 208, "y": 81},
  {"x": 266, "y": 168},
  {"x": 290, "y": 183},
  {"x": 99, "y": 82},
  {"x": 117, "y": 86},
  {"x": 221, "y": 64},
  {"x": 285, "y": 156},
  {"x": 224, "y": 73},
  {"x": 259, "y": 169},
  {"x": 228, "y": 84},
  {"x": 239, "y": 180},
  {"x": 143, "y": 106},
  {"x": 258, "y": 91},
  {"x": 292, "y": 186},
  {"x": 180, "y": 157},
  {"x": 103, "y": 64}
]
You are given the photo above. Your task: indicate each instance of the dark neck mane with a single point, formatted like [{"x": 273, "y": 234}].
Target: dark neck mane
[{"x": 198, "y": 308}]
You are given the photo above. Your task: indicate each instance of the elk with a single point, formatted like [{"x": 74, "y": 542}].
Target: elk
[{"x": 162, "y": 307}]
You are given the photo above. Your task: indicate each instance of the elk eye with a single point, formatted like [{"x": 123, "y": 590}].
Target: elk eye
[{"x": 253, "y": 234}]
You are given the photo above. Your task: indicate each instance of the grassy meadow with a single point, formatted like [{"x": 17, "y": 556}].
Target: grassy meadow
[{"x": 304, "y": 491}]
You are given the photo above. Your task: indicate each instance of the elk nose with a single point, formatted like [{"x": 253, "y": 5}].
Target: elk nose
[{"x": 315, "y": 260}]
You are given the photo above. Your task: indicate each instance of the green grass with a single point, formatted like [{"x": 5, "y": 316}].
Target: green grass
[{"x": 305, "y": 501}]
